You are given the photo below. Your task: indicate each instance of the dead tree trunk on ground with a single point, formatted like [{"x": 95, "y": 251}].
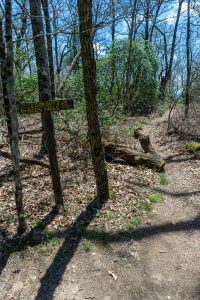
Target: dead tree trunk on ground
[{"x": 149, "y": 158}]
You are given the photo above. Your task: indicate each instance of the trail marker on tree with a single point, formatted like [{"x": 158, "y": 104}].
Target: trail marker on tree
[{"x": 45, "y": 106}]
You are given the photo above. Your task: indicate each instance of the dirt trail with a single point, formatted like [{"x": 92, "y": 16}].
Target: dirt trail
[
  {"x": 172, "y": 257},
  {"x": 159, "y": 260}
]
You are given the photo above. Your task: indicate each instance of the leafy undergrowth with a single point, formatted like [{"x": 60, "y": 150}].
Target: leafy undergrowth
[{"x": 130, "y": 188}]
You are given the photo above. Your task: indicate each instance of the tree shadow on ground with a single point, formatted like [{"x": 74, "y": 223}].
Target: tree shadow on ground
[
  {"x": 178, "y": 158},
  {"x": 21, "y": 242},
  {"x": 143, "y": 231},
  {"x": 54, "y": 273},
  {"x": 72, "y": 237},
  {"x": 163, "y": 191},
  {"x": 8, "y": 172},
  {"x": 196, "y": 294},
  {"x": 176, "y": 194}
]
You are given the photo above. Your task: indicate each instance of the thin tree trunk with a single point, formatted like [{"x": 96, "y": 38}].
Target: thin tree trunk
[
  {"x": 28, "y": 51},
  {"x": 55, "y": 36},
  {"x": 69, "y": 71},
  {"x": 3, "y": 67},
  {"x": 129, "y": 59},
  {"x": 14, "y": 141},
  {"x": 187, "y": 92},
  {"x": 113, "y": 25},
  {"x": 147, "y": 18},
  {"x": 71, "y": 68},
  {"x": 168, "y": 71},
  {"x": 160, "y": 2},
  {"x": 21, "y": 33},
  {"x": 89, "y": 73},
  {"x": 49, "y": 45},
  {"x": 45, "y": 95}
]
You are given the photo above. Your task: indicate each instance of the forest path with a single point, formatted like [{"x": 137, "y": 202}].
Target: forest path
[
  {"x": 171, "y": 258},
  {"x": 157, "y": 260}
]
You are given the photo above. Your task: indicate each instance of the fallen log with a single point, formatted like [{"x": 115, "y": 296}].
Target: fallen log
[
  {"x": 129, "y": 155},
  {"x": 149, "y": 158},
  {"x": 30, "y": 161}
]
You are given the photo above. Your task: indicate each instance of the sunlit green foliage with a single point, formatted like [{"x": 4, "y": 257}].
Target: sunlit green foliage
[
  {"x": 138, "y": 88},
  {"x": 140, "y": 92}
]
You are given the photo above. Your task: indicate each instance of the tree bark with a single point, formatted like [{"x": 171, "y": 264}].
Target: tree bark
[
  {"x": 187, "y": 91},
  {"x": 147, "y": 18},
  {"x": 45, "y": 6},
  {"x": 127, "y": 97},
  {"x": 168, "y": 71},
  {"x": 155, "y": 19},
  {"x": 69, "y": 71},
  {"x": 45, "y": 95},
  {"x": 55, "y": 25},
  {"x": 20, "y": 33},
  {"x": 133, "y": 157},
  {"x": 89, "y": 73},
  {"x": 113, "y": 29},
  {"x": 14, "y": 140},
  {"x": 144, "y": 140},
  {"x": 3, "y": 67}
]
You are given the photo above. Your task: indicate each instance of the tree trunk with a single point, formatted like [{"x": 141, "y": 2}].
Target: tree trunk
[
  {"x": 4, "y": 79},
  {"x": 14, "y": 141},
  {"x": 155, "y": 19},
  {"x": 127, "y": 96},
  {"x": 187, "y": 92},
  {"x": 45, "y": 95},
  {"x": 49, "y": 45},
  {"x": 55, "y": 35},
  {"x": 144, "y": 140},
  {"x": 69, "y": 71},
  {"x": 113, "y": 66},
  {"x": 168, "y": 71},
  {"x": 20, "y": 33},
  {"x": 147, "y": 18},
  {"x": 89, "y": 73}
]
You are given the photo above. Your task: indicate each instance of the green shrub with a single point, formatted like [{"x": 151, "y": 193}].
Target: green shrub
[
  {"x": 142, "y": 88},
  {"x": 26, "y": 88}
]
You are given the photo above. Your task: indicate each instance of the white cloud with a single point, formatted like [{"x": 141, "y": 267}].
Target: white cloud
[
  {"x": 98, "y": 48},
  {"x": 171, "y": 16}
]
